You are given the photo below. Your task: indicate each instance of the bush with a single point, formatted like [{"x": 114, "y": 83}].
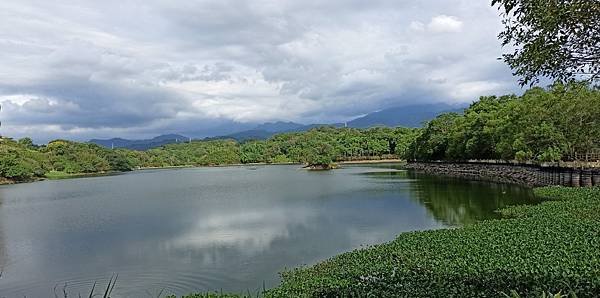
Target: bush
[
  {"x": 550, "y": 154},
  {"x": 19, "y": 163},
  {"x": 523, "y": 156}
]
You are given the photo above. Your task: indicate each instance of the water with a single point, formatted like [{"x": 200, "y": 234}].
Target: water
[{"x": 230, "y": 228}]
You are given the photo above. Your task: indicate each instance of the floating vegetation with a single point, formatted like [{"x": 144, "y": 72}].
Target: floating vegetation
[{"x": 552, "y": 247}]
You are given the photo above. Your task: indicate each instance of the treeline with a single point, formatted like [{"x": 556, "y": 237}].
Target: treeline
[
  {"x": 558, "y": 123},
  {"x": 22, "y": 160}
]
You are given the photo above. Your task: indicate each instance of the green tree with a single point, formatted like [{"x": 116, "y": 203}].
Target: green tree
[
  {"x": 542, "y": 124},
  {"x": 27, "y": 143},
  {"x": 433, "y": 142},
  {"x": 253, "y": 152},
  {"x": 558, "y": 39}
]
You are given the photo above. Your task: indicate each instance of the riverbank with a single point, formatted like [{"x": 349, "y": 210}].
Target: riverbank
[
  {"x": 4, "y": 181},
  {"x": 55, "y": 175},
  {"x": 372, "y": 161},
  {"x": 547, "y": 248},
  {"x": 532, "y": 175}
]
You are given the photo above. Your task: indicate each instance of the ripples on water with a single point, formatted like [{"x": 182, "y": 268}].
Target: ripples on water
[{"x": 228, "y": 228}]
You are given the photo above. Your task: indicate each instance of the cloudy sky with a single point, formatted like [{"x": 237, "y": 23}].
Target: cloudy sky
[{"x": 138, "y": 68}]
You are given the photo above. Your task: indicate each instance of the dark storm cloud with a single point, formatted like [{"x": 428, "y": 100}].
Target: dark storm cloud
[{"x": 83, "y": 69}]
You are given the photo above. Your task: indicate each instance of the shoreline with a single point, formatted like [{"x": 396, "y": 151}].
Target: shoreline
[
  {"x": 490, "y": 271},
  {"x": 530, "y": 175},
  {"x": 371, "y": 161},
  {"x": 6, "y": 181}
]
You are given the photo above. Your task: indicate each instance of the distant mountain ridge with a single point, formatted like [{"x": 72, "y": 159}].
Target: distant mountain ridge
[
  {"x": 407, "y": 116},
  {"x": 141, "y": 144},
  {"x": 278, "y": 126}
]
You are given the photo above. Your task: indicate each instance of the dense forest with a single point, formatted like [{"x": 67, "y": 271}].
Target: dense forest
[
  {"x": 561, "y": 122},
  {"x": 558, "y": 123},
  {"x": 22, "y": 160}
]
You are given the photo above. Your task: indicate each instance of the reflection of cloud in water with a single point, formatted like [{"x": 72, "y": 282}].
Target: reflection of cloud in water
[
  {"x": 361, "y": 238},
  {"x": 249, "y": 231}
]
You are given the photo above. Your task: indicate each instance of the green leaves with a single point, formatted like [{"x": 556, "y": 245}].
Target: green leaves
[
  {"x": 553, "y": 39},
  {"x": 542, "y": 124},
  {"x": 19, "y": 162},
  {"x": 320, "y": 146}
]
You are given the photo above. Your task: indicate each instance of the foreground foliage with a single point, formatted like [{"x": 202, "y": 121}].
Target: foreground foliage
[
  {"x": 556, "y": 39},
  {"x": 543, "y": 124},
  {"x": 553, "y": 247}
]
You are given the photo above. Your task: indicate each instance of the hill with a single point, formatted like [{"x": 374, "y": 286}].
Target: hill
[
  {"x": 140, "y": 144},
  {"x": 407, "y": 116}
]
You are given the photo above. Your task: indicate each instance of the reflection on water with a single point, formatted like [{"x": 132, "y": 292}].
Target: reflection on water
[
  {"x": 217, "y": 228},
  {"x": 455, "y": 201},
  {"x": 254, "y": 230}
]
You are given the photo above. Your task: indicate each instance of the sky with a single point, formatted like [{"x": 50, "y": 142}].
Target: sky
[{"x": 138, "y": 68}]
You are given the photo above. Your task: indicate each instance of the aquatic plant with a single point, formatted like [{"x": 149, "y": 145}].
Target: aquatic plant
[{"x": 552, "y": 247}]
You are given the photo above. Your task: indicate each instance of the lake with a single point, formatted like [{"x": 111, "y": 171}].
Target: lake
[{"x": 229, "y": 228}]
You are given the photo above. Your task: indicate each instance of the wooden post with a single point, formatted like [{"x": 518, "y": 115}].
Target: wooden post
[
  {"x": 556, "y": 176},
  {"x": 596, "y": 178},
  {"x": 575, "y": 178},
  {"x": 586, "y": 178},
  {"x": 568, "y": 178}
]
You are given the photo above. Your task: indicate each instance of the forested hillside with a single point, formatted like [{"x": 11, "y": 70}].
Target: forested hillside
[
  {"x": 23, "y": 161},
  {"x": 558, "y": 123}
]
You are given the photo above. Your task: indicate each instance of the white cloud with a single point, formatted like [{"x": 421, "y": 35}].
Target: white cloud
[
  {"x": 444, "y": 23},
  {"x": 417, "y": 26},
  {"x": 193, "y": 67}
]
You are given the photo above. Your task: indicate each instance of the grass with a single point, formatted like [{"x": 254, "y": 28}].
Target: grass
[
  {"x": 553, "y": 247},
  {"x": 104, "y": 294},
  {"x": 56, "y": 175}
]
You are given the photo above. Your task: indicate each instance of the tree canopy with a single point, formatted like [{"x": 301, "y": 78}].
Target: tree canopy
[
  {"x": 557, "y": 39},
  {"x": 22, "y": 160},
  {"x": 543, "y": 124}
]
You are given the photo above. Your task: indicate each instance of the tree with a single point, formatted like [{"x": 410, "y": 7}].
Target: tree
[
  {"x": 117, "y": 160},
  {"x": 559, "y": 122},
  {"x": 318, "y": 153},
  {"x": 253, "y": 152},
  {"x": 27, "y": 143},
  {"x": 558, "y": 39},
  {"x": 432, "y": 144}
]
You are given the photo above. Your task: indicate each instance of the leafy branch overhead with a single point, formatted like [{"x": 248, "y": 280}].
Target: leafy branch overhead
[{"x": 557, "y": 39}]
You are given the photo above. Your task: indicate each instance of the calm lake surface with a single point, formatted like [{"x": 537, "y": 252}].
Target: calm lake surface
[{"x": 230, "y": 228}]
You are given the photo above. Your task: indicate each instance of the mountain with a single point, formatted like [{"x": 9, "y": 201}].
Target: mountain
[
  {"x": 253, "y": 134},
  {"x": 407, "y": 116},
  {"x": 278, "y": 126},
  {"x": 140, "y": 144}
]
